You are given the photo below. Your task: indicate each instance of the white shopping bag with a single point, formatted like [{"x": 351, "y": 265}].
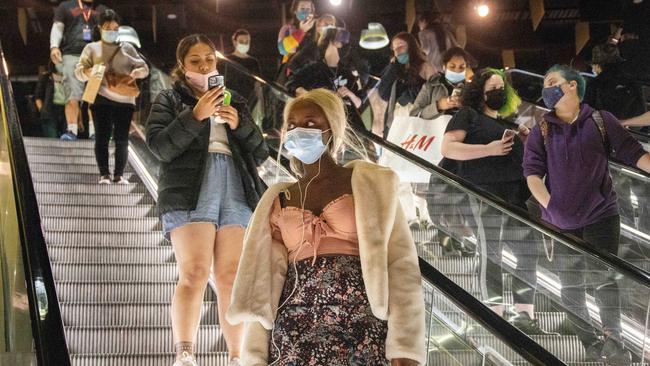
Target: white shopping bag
[{"x": 418, "y": 136}]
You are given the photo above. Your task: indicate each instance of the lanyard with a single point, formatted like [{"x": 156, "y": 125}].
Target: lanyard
[{"x": 83, "y": 12}]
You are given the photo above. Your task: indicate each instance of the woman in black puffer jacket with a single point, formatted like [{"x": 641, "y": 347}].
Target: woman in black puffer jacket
[{"x": 208, "y": 187}]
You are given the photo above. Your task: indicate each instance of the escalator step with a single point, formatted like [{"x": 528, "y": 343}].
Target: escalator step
[
  {"x": 148, "y": 239},
  {"x": 566, "y": 348},
  {"x": 107, "y": 225},
  {"x": 76, "y": 178},
  {"x": 93, "y": 254},
  {"x": 59, "y": 151},
  {"x": 149, "y": 314},
  {"x": 77, "y": 144},
  {"x": 88, "y": 188},
  {"x": 108, "y": 212},
  {"x": 134, "y": 340},
  {"x": 65, "y": 159},
  {"x": 125, "y": 292},
  {"x": 68, "y": 168},
  {"x": 115, "y": 272},
  {"x": 212, "y": 359},
  {"x": 102, "y": 200}
]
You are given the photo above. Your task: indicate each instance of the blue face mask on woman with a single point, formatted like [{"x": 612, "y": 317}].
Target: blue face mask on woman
[
  {"x": 552, "y": 95},
  {"x": 403, "y": 58},
  {"x": 305, "y": 144},
  {"x": 454, "y": 77},
  {"x": 302, "y": 15}
]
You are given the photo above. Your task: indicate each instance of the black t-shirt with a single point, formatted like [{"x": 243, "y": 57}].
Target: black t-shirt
[
  {"x": 481, "y": 130},
  {"x": 72, "y": 16},
  {"x": 319, "y": 75},
  {"x": 238, "y": 81}
]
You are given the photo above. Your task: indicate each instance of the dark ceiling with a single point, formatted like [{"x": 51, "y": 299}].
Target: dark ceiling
[{"x": 508, "y": 26}]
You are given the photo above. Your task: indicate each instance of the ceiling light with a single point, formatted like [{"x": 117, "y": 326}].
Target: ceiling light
[
  {"x": 336, "y": 2},
  {"x": 483, "y": 10},
  {"x": 374, "y": 37}
]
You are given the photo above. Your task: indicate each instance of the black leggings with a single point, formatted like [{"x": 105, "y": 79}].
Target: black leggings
[
  {"x": 577, "y": 271},
  {"x": 112, "y": 118},
  {"x": 522, "y": 243}
]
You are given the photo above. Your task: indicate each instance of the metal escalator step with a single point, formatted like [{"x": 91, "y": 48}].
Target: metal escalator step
[
  {"x": 148, "y": 239},
  {"x": 68, "y": 168},
  {"x": 77, "y": 177},
  {"x": 93, "y": 254},
  {"x": 108, "y": 212},
  {"x": 455, "y": 264},
  {"x": 107, "y": 225},
  {"x": 98, "y": 272},
  {"x": 88, "y": 188},
  {"x": 566, "y": 348},
  {"x": 212, "y": 359},
  {"x": 130, "y": 199},
  {"x": 40, "y": 141},
  {"x": 60, "y": 151},
  {"x": 142, "y": 314},
  {"x": 454, "y": 358},
  {"x": 65, "y": 159},
  {"x": 134, "y": 340},
  {"x": 125, "y": 292}
]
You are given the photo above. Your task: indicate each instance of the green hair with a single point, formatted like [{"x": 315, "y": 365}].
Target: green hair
[
  {"x": 570, "y": 74},
  {"x": 512, "y": 98}
]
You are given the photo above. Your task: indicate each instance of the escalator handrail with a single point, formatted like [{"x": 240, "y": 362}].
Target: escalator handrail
[
  {"x": 636, "y": 273},
  {"x": 48, "y": 332},
  {"x": 645, "y": 138}
]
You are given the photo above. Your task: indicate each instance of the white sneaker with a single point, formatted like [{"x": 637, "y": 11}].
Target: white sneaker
[
  {"x": 186, "y": 360},
  {"x": 105, "y": 179},
  {"x": 235, "y": 362},
  {"x": 120, "y": 180}
]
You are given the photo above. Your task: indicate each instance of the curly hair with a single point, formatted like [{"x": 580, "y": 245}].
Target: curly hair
[{"x": 473, "y": 93}]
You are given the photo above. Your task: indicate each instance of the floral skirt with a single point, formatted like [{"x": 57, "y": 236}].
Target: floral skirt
[{"x": 328, "y": 320}]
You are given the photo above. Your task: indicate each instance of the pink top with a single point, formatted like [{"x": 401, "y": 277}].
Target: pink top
[{"x": 334, "y": 231}]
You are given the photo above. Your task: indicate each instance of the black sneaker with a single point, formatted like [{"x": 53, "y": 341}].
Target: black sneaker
[
  {"x": 529, "y": 326},
  {"x": 594, "y": 352},
  {"x": 615, "y": 353}
]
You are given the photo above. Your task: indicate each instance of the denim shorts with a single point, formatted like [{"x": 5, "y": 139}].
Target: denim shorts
[{"x": 222, "y": 200}]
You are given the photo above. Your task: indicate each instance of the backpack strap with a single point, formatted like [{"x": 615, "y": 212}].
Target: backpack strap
[
  {"x": 543, "y": 127},
  {"x": 600, "y": 124}
]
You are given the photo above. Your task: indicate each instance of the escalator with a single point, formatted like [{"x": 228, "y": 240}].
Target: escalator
[
  {"x": 96, "y": 275},
  {"x": 460, "y": 211}
]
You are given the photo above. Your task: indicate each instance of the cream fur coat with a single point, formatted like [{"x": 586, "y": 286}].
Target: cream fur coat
[{"x": 389, "y": 265}]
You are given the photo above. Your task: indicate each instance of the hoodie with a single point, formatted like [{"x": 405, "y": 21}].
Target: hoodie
[{"x": 575, "y": 164}]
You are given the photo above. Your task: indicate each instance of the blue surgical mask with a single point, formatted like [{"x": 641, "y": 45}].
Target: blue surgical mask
[
  {"x": 403, "y": 58},
  {"x": 552, "y": 95},
  {"x": 302, "y": 15},
  {"x": 305, "y": 144},
  {"x": 454, "y": 77},
  {"x": 109, "y": 36}
]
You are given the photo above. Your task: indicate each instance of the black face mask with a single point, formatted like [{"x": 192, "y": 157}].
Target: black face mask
[{"x": 496, "y": 98}]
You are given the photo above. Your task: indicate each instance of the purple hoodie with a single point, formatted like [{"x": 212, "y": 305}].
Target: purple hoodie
[{"x": 576, "y": 167}]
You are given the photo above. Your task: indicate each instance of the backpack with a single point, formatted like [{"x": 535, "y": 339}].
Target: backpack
[{"x": 600, "y": 124}]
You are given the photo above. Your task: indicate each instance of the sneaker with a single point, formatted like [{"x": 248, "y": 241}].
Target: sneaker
[
  {"x": 91, "y": 137},
  {"x": 68, "y": 136},
  {"x": 186, "y": 359},
  {"x": 615, "y": 353},
  {"x": 235, "y": 362},
  {"x": 120, "y": 180},
  {"x": 529, "y": 326},
  {"x": 105, "y": 179},
  {"x": 594, "y": 351}
]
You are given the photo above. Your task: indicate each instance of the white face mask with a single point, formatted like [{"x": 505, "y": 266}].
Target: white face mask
[
  {"x": 110, "y": 36},
  {"x": 243, "y": 48}
]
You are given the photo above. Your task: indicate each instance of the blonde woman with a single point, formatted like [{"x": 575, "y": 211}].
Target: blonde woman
[{"x": 329, "y": 271}]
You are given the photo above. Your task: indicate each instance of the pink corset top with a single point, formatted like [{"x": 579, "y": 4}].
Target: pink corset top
[{"x": 334, "y": 231}]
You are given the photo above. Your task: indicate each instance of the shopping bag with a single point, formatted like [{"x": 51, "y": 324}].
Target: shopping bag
[
  {"x": 94, "y": 83},
  {"x": 420, "y": 137}
]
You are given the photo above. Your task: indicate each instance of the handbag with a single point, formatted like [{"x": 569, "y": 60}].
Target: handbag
[{"x": 119, "y": 83}]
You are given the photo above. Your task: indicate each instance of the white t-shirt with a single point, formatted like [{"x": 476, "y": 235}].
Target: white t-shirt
[{"x": 218, "y": 138}]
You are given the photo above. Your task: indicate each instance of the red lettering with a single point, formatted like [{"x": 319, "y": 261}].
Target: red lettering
[
  {"x": 408, "y": 143},
  {"x": 424, "y": 143}
]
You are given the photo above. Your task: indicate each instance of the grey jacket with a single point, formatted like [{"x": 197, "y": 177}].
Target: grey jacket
[{"x": 425, "y": 105}]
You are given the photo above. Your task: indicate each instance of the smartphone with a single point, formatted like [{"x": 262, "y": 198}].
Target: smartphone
[
  {"x": 508, "y": 135},
  {"x": 456, "y": 92},
  {"x": 215, "y": 81}
]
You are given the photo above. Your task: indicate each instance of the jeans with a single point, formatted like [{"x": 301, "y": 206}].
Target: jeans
[
  {"x": 576, "y": 271},
  {"x": 115, "y": 118}
]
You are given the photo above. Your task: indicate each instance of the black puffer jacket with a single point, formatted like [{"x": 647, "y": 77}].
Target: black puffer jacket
[{"x": 181, "y": 144}]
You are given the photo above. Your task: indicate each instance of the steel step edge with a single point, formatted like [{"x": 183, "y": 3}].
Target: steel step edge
[{"x": 144, "y": 314}]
